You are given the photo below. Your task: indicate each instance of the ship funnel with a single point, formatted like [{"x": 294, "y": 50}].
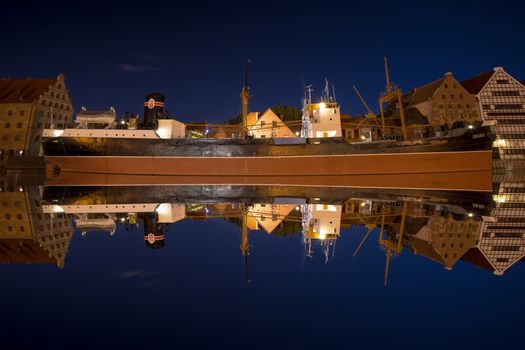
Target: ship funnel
[{"x": 153, "y": 110}]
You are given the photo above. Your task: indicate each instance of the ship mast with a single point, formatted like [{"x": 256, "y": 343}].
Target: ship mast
[{"x": 245, "y": 97}]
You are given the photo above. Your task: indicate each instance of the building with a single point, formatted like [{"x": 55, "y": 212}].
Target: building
[
  {"x": 267, "y": 125},
  {"x": 444, "y": 102},
  {"x": 501, "y": 100},
  {"x": 28, "y": 106},
  {"x": 27, "y": 234}
]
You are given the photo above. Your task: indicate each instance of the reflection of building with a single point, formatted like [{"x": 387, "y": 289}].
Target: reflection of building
[
  {"x": 27, "y": 233},
  {"x": 267, "y": 125},
  {"x": 502, "y": 238},
  {"x": 445, "y": 240},
  {"x": 26, "y": 108},
  {"x": 267, "y": 216}
]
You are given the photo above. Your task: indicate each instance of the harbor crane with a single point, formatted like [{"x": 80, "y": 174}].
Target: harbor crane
[{"x": 392, "y": 93}]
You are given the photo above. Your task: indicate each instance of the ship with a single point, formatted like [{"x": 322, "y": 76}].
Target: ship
[{"x": 158, "y": 145}]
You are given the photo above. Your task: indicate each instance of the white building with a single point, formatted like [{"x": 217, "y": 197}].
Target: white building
[
  {"x": 267, "y": 125},
  {"x": 501, "y": 100}
]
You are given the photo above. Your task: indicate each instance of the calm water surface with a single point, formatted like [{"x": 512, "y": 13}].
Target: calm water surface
[{"x": 88, "y": 269}]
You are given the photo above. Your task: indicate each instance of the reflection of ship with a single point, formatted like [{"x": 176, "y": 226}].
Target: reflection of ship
[
  {"x": 156, "y": 145},
  {"x": 444, "y": 226}
]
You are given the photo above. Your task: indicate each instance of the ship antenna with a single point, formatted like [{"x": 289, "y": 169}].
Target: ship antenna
[
  {"x": 245, "y": 96},
  {"x": 309, "y": 89},
  {"x": 333, "y": 93},
  {"x": 326, "y": 91}
]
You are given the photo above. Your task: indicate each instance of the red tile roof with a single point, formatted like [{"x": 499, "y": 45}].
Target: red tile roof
[
  {"x": 476, "y": 257},
  {"x": 474, "y": 85},
  {"x": 424, "y": 92},
  {"x": 23, "y": 90},
  {"x": 20, "y": 251}
]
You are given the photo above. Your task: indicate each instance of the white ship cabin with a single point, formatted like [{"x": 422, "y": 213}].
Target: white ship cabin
[
  {"x": 96, "y": 119},
  {"x": 322, "y": 119},
  {"x": 103, "y": 124},
  {"x": 267, "y": 125}
]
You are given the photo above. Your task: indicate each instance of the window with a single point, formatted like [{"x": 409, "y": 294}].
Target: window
[
  {"x": 443, "y": 96},
  {"x": 7, "y": 125},
  {"x": 9, "y": 113},
  {"x": 19, "y": 125},
  {"x": 17, "y": 137},
  {"x": 451, "y": 95},
  {"x": 19, "y": 216},
  {"x": 505, "y": 93},
  {"x": 460, "y": 95},
  {"x": 502, "y": 81},
  {"x": 446, "y": 86},
  {"x": 455, "y": 85},
  {"x": 7, "y": 216},
  {"x": 22, "y": 112},
  {"x": 505, "y": 106},
  {"x": 468, "y": 105}
]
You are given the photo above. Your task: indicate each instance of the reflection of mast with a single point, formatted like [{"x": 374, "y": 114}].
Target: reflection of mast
[
  {"x": 392, "y": 248},
  {"x": 245, "y": 244}
]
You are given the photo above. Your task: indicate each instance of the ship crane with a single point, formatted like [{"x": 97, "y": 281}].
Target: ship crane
[
  {"x": 392, "y": 94},
  {"x": 391, "y": 247},
  {"x": 369, "y": 113}
]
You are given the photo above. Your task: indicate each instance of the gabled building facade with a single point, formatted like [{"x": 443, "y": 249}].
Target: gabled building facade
[
  {"x": 267, "y": 125},
  {"x": 444, "y": 102},
  {"x": 501, "y": 100},
  {"x": 28, "y": 106}
]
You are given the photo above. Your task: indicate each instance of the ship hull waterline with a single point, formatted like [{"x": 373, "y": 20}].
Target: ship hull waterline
[{"x": 309, "y": 165}]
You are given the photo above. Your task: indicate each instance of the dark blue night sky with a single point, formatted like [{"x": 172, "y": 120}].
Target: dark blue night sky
[{"x": 193, "y": 52}]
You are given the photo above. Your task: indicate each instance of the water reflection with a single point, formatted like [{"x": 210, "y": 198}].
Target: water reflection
[{"x": 448, "y": 227}]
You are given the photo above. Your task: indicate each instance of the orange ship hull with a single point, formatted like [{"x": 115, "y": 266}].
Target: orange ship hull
[{"x": 451, "y": 170}]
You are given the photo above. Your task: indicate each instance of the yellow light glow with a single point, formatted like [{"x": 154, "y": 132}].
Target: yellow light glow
[
  {"x": 500, "y": 143},
  {"x": 499, "y": 198},
  {"x": 322, "y": 105},
  {"x": 322, "y": 236}
]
